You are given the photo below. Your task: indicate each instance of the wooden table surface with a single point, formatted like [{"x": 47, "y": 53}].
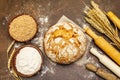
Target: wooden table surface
[{"x": 51, "y": 10}]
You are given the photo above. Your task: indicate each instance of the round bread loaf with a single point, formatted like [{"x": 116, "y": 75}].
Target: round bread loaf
[
  {"x": 27, "y": 60},
  {"x": 23, "y": 28},
  {"x": 64, "y": 43}
]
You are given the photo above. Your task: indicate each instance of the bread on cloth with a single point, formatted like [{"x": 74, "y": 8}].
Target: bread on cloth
[{"x": 64, "y": 43}]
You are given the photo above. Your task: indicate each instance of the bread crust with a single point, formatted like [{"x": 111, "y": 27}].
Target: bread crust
[{"x": 65, "y": 59}]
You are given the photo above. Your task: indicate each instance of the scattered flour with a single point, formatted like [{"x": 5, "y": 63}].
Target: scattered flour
[
  {"x": 17, "y": 44},
  {"x": 43, "y": 19},
  {"x": 47, "y": 69},
  {"x": 89, "y": 76}
]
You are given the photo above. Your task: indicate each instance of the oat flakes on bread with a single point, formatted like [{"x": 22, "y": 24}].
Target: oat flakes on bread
[
  {"x": 23, "y": 28},
  {"x": 64, "y": 43}
]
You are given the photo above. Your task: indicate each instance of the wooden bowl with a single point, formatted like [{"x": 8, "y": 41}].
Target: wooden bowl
[
  {"x": 17, "y": 51},
  {"x": 23, "y": 28}
]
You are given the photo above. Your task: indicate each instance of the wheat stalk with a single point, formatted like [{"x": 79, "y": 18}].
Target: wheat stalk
[
  {"x": 97, "y": 18},
  {"x": 9, "y": 65}
]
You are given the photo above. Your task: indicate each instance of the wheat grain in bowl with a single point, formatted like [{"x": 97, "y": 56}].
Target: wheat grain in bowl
[
  {"x": 64, "y": 43},
  {"x": 23, "y": 28},
  {"x": 27, "y": 60}
]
